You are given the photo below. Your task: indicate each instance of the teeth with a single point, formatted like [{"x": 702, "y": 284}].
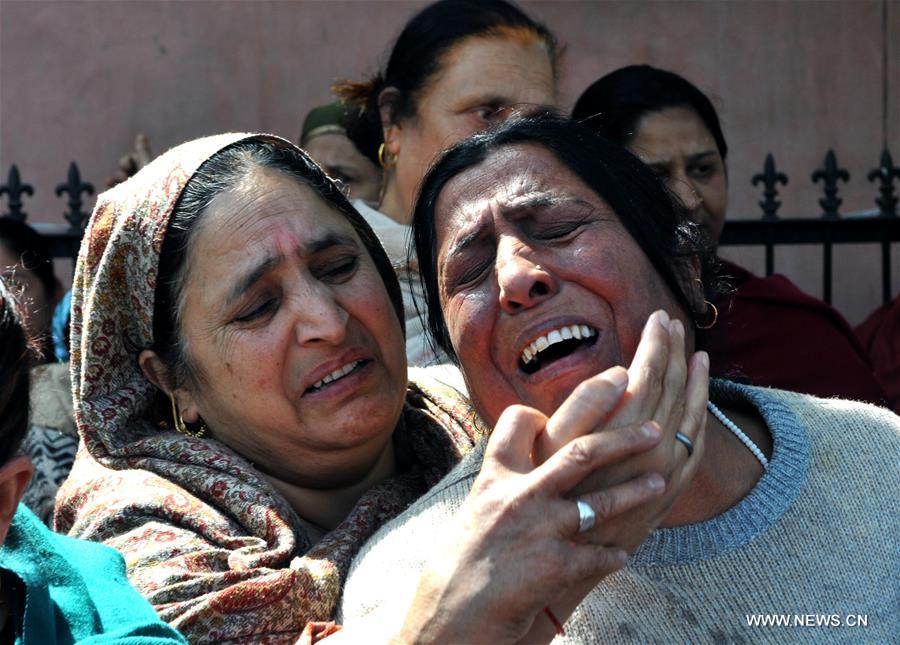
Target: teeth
[
  {"x": 335, "y": 375},
  {"x": 556, "y": 336}
]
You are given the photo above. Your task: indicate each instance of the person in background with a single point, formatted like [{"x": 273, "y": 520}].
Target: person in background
[
  {"x": 324, "y": 137},
  {"x": 53, "y": 589},
  {"x": 879, "y": 334},
  {"x": 52, "y": 440},
  {"x": 457, "y": 67},
  {"x": 27, "y": 267},
  {"x": 766, "y": 329}
]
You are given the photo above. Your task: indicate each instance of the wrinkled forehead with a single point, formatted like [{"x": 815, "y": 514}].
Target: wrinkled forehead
[{"x": 509, "y": 179}]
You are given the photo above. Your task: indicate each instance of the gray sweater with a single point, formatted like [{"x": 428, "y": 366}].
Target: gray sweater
[{"x": 814, "y": 548}]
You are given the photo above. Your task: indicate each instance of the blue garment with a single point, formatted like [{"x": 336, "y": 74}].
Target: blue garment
[
  {"x": 75, "y": 591},
  {"x": 59, "y": 327}
]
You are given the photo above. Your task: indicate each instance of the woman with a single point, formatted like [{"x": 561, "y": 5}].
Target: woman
[
  {"x": 456, "y": 68},
  {"x": 324, "y": 137},
  {"x": 244, "y": 404},
  {"x": 540, "y": 226},
  {"x": 53, "y": 589},
  {"x": 767, "y": 329}
]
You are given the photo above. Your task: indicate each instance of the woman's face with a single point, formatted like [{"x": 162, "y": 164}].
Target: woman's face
[
  {"x": 342, "y": 161},
  {"x": 300, "y": 352},
  {"x": 37, "y": 307},
  {"x": 477, "y": 79},
  {"x": 675, "y": 143},
  {"x": 540, "y": 284}
]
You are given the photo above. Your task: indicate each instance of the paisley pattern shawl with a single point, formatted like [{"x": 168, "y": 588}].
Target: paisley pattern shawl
[{"x": 205, "y": 537}]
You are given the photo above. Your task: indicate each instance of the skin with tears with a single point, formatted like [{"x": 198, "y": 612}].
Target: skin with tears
[
  {"x": 280, "y": 294},
  {"x": 525, "y": 248}
]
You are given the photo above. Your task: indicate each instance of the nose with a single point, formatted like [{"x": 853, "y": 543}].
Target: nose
[
  {"x": 320, "y": 318},
  {"x": 686, "y": 192},
  {"x": 523, "y": 283}
]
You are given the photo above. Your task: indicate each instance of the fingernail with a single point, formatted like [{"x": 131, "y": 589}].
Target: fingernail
[
  {"x": 704, "y": 359},
  {"x": 677, "y": 328},
  {"x": 622, "y": 557},
  {"x": 650, "y": 430},
  {"x": 663, "y": 318},
  {"x": 617, "y": 377},
  {"x": 655, "y": 482}
]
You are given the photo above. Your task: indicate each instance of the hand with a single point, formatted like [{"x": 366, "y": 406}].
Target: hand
[
  {"x": 511, "y": 549},
  {"x": 661, "y": 389},
  {"x": 133, "y": 161}
]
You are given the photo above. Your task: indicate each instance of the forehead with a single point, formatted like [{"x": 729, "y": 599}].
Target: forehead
[
  {"x": 523, "y": 173},
  {"x": 514, "y": 68},
  {"x": 267, "y": 209},
  {"x": 671, "y": 131}
]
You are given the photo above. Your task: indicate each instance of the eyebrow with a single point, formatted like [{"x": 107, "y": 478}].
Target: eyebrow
[
  {"x": 529, "y": 203},
  {"x": 327, "y": 241}
]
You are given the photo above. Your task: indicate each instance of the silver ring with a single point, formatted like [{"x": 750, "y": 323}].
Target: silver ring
[
  {"x": 586, "y": 516},
  {"x": 680, "y": 436}
]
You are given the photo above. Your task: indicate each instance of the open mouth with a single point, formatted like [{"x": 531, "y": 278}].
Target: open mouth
[
  {"x": 337, "y": 375},
  {"x": 555, "y": 345}
]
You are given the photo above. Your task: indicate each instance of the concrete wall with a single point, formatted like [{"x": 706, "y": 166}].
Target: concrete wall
[{"x": 78, "y": 79}]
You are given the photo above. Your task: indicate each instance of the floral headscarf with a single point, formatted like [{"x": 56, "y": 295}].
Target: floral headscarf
[{"x": 217, "y": 551}]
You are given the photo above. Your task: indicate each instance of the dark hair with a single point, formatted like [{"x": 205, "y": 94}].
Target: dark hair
[
  {"x": 215, "y": 176},
  {"x": 32, "y": 251},
  {"x": 15, "y": 362},
  {"x": 416, "y": 57},
  {"x": 613, "y": 105},
  {"x": 659, "y": 225}
]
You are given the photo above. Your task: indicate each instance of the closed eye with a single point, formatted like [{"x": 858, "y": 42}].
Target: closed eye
[
  {"x": 257, "y": 311},
  {"x": 338, "y": 269}
]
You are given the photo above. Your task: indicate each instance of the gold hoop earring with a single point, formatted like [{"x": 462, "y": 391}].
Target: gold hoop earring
[
  {"x": 710, "y": 305},
  {"x": 181, "y": 426},
  {"x": 386, "y": 158}
]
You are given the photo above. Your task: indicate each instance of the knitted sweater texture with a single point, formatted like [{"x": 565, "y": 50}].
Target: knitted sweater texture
[{"x": 813, "y": 550}]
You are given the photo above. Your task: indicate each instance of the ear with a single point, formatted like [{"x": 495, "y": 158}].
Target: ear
[
  {"x": 14, "y": 477},
  {"x": 388, "y": 100},
  {"x": 158, "y": 374},
  {"x": 153, "y": 368}
]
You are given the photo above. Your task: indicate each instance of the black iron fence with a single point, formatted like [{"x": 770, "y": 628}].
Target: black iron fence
[{"x": 770, "y": 231}]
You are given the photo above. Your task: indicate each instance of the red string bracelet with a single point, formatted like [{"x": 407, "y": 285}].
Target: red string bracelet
[{"x": 556, "y": 624}]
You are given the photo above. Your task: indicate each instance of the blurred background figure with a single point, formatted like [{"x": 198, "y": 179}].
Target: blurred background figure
[
  {"x": 132, "y": 161},
  {"x": 52, "y": 439},
  {"x": 324, "y": 137},
  {"x": 767, "y": 329},
  {"x": 73, "y": 590},
  {"x": 27, "y": 267}
]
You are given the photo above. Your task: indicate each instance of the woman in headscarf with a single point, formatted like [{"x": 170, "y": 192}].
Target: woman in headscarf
[{"x": 241, "y": 391}]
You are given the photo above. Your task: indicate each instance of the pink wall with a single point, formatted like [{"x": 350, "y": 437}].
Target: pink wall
[{"x": 78, "y": 79}]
